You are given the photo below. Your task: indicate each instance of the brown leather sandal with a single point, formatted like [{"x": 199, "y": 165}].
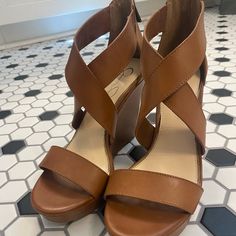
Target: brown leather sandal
[
  {"x": 74, "y": 178},
  {"x": 157, "y": 195}
]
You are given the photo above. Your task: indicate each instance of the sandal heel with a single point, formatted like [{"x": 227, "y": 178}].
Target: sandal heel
[
  {"x": 78, "y": 115},
  {"x": 127, "y": 119}
]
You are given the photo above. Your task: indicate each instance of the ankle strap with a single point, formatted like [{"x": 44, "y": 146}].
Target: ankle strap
[{"x": 87, "y": 82}]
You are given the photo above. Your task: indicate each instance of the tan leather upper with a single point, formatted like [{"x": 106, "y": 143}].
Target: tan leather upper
[
  {"x": 167, "y": 70},
  {"x": 87, "y": 82}
]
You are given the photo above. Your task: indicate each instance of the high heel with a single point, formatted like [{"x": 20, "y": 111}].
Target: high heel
[
  {"x": 157, "y": 195},
  {"x": 75, "y": 177}
]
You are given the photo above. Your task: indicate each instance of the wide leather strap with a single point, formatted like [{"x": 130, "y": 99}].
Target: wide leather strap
[
  {"x": 76, "y": 169},
  {"x": 88, "y": 82},
  {"x": 154, "y": 187},
  {"x": 166, "y": 78}
]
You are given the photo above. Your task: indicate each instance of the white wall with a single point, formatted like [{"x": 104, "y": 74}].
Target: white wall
[
  {"x": 26, "y": 21},
  {"x": 15, "y": 11}
]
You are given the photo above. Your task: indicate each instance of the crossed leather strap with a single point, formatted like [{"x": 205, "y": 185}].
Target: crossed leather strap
[
  {"x": 88, "y": 82},
  {"x": 166, "y": 81}
]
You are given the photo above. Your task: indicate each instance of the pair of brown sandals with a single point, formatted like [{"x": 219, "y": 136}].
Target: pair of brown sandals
[{"x": 158, "y": 194}]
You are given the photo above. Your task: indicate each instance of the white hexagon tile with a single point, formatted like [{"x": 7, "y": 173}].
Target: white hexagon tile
[{"x": 36, "y": 111}]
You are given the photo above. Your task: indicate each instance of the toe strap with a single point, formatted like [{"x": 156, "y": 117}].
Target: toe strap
[
  {"x": 155, "y": 187},
  {"x": 76, "y": 169}
]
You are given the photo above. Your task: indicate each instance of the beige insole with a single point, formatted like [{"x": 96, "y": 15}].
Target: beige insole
[
  {"x": 174, "y": 152},
  {"x": 88, "y": 140}
]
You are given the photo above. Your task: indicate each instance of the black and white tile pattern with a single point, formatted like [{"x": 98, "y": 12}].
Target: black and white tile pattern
[{"x": 36, "y": 111}]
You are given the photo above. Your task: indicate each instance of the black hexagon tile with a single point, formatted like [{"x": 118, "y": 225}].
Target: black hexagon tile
[
  {"x": 156, "y": 42},
  {"x": 221, "y": 40},
  {"x": 58, "y": 76},
  {"x": 13, "y": 147},
  {"x": 5, "y": 113},
  {"x": 21, "y": 77},
  {"x": 222, "y": 48},
  {"x": 100, "y": 45},
  {"x": 221, "y": 157},
  {"x": 152, "y": 118},
  {"x": 11, "y": 66},
  {"x": 222, "y": 21},
  {"x": 5, "y": 57},
  {"x": 222, "y": 26},
  {"x": 32, "y": 93},
  {"x": 137, "y": 153},
  {"x": 219, "y": 221},
  {"x": 221, "y": 119},
  {"x": 49, "y": 115},
  {"x": 222, "y": 59},
  {"x": 42, "y": 65},
  {"x": 59, "y": 55},
  {"x": 32, "y": 56},
  {"x": 222, "y": 92},
  {"x": 222, "y": 32},
  {"x": 222, "y": 73},
  {"x": 87, "y": 53},
  {"x": 61, "y": 40},
  {"x": 23, "y": 49},
  {"x": 47, "y": 48},
  {"x": 69, "y": 94},
  {"x": 25, "y": 207}
]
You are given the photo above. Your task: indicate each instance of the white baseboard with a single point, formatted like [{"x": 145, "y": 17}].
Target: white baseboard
[
  {"x": 36, "y": 40},
  {"x": 23, "y": 33},
  {"x": 42, "y": 29}
]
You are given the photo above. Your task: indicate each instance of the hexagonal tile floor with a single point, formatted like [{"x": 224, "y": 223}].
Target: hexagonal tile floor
[{"x": 36, "y": 111}]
